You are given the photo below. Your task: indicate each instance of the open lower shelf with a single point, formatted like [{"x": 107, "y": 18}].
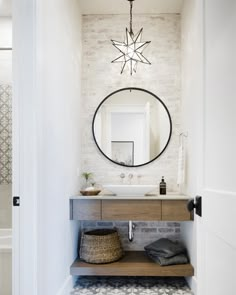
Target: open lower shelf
[{"x": 134, "y": 263}]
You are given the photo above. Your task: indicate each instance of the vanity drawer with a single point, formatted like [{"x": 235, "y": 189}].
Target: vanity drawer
[
  {"x": 131, "y": 210},
  {"x": 175, "y": 211},
  {"x": 86, "y": 210}
]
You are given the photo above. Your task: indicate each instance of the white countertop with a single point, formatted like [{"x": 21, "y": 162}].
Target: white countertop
[{"x": 169, "y": 196}]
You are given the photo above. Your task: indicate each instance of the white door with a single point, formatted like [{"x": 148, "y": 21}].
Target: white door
[
  {"x": 217, "y": 228},
  {"x": 24, "y": 148}
]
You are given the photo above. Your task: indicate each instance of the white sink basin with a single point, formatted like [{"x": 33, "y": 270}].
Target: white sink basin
[{"x": 130, "y": 189}]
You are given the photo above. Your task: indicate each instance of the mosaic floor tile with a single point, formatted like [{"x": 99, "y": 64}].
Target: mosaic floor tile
[{"x": 131, "y": 286}]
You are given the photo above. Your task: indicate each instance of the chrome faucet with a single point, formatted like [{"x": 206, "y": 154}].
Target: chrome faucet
[
  {"x": 122, "y": 176},
  {"x": 132, "y": 227},
  {"x": 130, "y": 177}
]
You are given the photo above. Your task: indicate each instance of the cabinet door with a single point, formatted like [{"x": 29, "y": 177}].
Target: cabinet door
[
  {"x": 131, "y": 210},
  {"x": 86, "y": 210},
  {"x": 175, "y": 211}
]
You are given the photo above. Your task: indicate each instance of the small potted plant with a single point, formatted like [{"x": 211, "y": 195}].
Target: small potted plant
[
  {"x": 89, "y": 189},
  {"x": 87, "y": 176}
]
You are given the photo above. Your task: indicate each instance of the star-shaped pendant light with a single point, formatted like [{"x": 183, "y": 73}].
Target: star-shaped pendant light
[{"x": 131, "y": 49}]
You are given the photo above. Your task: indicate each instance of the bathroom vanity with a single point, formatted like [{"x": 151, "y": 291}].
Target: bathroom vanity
[
  {"x": 152, "y": 208},
  {"x": 125, "y": 131},
  {"x": 146, "y": 208}
]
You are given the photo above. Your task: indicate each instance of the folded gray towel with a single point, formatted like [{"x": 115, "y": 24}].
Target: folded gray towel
[
  {"x": 174, "y": 260},
  {"x": 165, "y": 248}
]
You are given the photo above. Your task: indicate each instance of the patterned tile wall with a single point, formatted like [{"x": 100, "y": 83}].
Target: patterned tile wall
[{"x": 5, "y": 134}]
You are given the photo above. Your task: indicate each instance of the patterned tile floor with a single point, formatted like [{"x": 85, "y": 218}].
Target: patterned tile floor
[{"x": 131, "y": 286}]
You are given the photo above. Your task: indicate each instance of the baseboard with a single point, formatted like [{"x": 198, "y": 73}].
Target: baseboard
[
  {"x": 192, "y": 282},
  {"x": 67, "y": 286}
]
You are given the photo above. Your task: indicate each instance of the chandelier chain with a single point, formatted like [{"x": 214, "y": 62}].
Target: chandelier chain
[{"x": 131, "y": 17}]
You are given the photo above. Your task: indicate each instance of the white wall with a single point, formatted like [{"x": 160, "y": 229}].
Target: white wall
[
  {"x": 191, "y": 106},
  {"x": 130, "y": 127},
  {"x": 59, "y": 63},
  {"x": 5, "y": 269},
  {"x": 5, "y": 207}
]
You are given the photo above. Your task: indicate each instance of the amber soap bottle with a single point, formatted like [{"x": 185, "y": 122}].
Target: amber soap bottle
[{"x": 162, "y": 186}]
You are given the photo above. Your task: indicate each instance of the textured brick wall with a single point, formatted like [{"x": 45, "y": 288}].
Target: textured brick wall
[
  {"x": 144, "y": 233},
  {"x": 100, "y": 77}
]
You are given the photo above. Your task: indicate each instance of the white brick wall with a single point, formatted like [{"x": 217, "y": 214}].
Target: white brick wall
[
  {"x": 100, "y": 77},
  {"x": 163, "y": 78}
]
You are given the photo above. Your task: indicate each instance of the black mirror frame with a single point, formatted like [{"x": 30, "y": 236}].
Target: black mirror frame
[{"x": 140, "y": 89}]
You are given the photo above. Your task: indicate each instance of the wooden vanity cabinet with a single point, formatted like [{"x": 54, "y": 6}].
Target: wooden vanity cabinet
[
  {"x": 144, "y": 210},
  {"x": 86, "y": 210},
  {"x": 134, "y": 263},
  {"x": 131, "y": 210},
  {"x": 175, "y": 211}
]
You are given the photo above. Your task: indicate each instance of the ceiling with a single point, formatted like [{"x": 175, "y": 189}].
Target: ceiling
[
  {"x": 122, "y": 6},
  {"x": 5, "y": 8},
  {"x": 114, "y": 6}
]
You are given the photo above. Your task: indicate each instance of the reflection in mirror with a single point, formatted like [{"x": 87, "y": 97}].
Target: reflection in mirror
[{"x": 132, "y": 127}]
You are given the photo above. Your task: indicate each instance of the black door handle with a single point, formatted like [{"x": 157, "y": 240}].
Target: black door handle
[
  {"x": 16, "y": 201},
  {"x": 197, "y": 205}
]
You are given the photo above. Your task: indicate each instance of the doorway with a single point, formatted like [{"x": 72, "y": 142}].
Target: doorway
[
  {"x": 28, "y": 98},
  {"x": 5, "y": 155}
]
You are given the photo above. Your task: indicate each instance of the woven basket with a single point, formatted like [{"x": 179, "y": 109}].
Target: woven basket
[{"x": 100, "y": 246}]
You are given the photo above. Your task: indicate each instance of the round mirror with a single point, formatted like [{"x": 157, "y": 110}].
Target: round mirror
[{"x": 132, "y": 127}]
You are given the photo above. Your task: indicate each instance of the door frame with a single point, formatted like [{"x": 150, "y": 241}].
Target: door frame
[
  {"x": 200, "y": 233},
  {"x": 25, "y": 152}
]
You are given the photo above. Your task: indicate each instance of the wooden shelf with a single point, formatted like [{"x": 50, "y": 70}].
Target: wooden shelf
[{"x": 134, "y": 263}]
